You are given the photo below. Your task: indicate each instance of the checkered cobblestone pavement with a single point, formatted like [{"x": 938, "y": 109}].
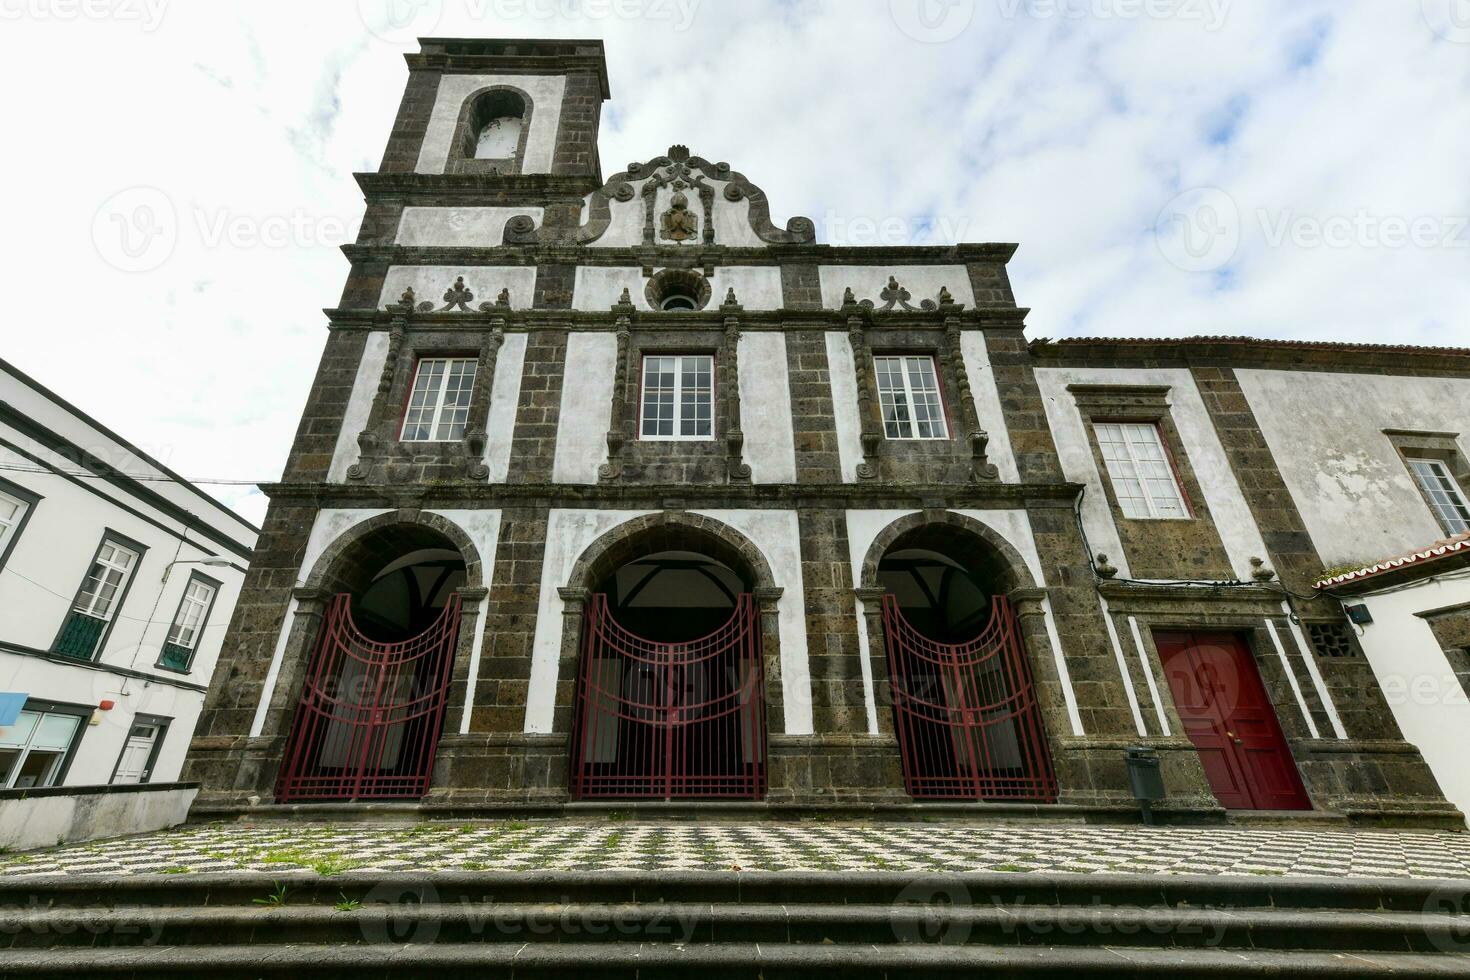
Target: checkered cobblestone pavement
[{"x": 560, "y": 845}]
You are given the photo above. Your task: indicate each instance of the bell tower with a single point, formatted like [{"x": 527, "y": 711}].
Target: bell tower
[{"x": 501, "y": 106}]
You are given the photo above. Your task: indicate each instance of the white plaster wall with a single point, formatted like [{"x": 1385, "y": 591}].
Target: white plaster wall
[
  {"x": 38, "y": 584},
  {"x": 430, "y": 282},
  {"x": 40, "y": 821},
  {"x": 987, "y": 404},
  {"x": 482, "y": 227},
  {"x": 139, "y": 458},
  {"x": 777, "y": 534},
  {"x": 586, "y": 407},
  {"x": 546, "y": 93},
  {"x": 765, "y": 408},
  {"x": 1325, "y": 431},
  {"x": 568, "y": 534},
  {"x": 731, "y": 218},
  {"x": 867, "y": 281},
  {"x": 597, "y": 288},
  {"x": 505, "y": 392},
  {"x": 1233, "y": 520},
  {"x": 842, "y": 375},
  {"x": 359, "y": 404},
  {"x": 1418, "y": 682},
  {"x": 483, "y": 528}
]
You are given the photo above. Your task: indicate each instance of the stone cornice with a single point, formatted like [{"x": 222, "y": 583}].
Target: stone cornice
[
  {"x": 713, "y": 319},
  {"x": 652, "y": 496},
  {"x": 1246, "y": 352},
  {"x": 672, "y": 255}
]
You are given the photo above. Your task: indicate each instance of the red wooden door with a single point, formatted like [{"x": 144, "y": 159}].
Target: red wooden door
[{"x": 1227, "y": 715}]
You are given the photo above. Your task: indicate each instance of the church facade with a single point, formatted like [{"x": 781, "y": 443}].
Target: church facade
[{"x": 617, "y": 489}]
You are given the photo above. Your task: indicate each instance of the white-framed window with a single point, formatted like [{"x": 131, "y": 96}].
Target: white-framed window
[
  {"x": 183, "y": 634},
  {"x": 678, "y": 396},
  {"x": 908, "y": 394},
  {"x": 1445, "y": 496},
  {"x": 34, "y": 749},
  {"x": 12, "y": 512},
  {"x": 109, "y": 575},
  {"x": 439, "y": 404},
  {"x": 1139, "y": 467}
]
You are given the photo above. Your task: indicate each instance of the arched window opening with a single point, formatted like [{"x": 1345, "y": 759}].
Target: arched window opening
[
  {"x": 964, "y": 702},
  {"x": 678, "y": 301},
  {"x": 671, "y": 692},
  {"x": 492, "y": 132},
  {"x": 372, "y": 703}
]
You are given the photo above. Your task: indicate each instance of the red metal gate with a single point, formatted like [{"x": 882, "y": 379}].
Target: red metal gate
[
  {"x": 669, "y": 720},
  {"x": 370, "y": 713},
  {"x": 968, "y": 723}
]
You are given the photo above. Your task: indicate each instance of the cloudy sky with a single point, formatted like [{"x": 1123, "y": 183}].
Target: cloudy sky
[{"x": 1169, "y": 167}]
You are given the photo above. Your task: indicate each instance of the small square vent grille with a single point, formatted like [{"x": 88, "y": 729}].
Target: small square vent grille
[{"x": 1333, "y": 640}]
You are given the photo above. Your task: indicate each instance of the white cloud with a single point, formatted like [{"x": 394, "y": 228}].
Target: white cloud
[{"x": 1065, "y": 125}]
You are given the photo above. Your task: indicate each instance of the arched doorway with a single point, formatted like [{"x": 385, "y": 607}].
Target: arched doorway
[
  {"x": 372, "y": 702},
  {"x": 964, "y": 702},
  {"x": 670, "y": 683}
]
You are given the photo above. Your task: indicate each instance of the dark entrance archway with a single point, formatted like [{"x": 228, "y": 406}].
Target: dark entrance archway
[
  {"x": 372, "y": 703},
  {"x": 964, "y": 702},
  {"x": 671, "y": 680}
]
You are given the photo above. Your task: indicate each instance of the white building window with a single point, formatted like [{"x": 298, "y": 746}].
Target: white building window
[
  {"x": 1445, "y": 497},
  {"x": 678, "y": 397},
  {"x": 1142, "y": 475},
  {"x": 97, "y": 601},
  {"x": 13, "y": 512},
  {"x": 33, "y": 751},
  {"x": 908, "y": 393},
  {"x": 439, "y": 405},
  {"x": 188, "y": 624}
]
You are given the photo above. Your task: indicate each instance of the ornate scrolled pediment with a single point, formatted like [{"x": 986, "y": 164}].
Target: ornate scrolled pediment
[{"x": 679, "y": 199}]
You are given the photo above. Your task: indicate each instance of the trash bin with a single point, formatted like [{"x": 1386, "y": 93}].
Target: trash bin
[{"x": 1145, "y": 779}]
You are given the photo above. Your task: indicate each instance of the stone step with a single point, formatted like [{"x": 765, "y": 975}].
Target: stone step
[
  {"x": 444, "y": 961},
  {"x": 720, "y": 887},
  {"x": 678, "y": 923}
]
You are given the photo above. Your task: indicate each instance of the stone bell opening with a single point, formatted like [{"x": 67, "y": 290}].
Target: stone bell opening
[
  {"x": 372, "y": 703},
  {"x": 964, "y": 702},
  {"x": 670, "y": 688}
]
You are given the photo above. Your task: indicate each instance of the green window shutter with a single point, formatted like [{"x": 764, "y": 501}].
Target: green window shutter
[
  {"x": 80, "y": 635},
  {"x": 175, "y": 657}
]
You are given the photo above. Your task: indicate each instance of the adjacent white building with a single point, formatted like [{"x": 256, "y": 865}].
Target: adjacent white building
[{"x": 117, "y": 580}]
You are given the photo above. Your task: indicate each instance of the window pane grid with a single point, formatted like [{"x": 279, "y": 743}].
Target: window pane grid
[
  {"x": 1143, "y": 480},
  {"x": 439, "y": 403},
  {"x": 678, "y": 397},
  {"x": 1444, "y": 494},
  {"x": 105, "y": 579},
  {"x": 187, "y": 624},
  {"x": 908, "y": 397},
  {"x": 11, "y": 511}
]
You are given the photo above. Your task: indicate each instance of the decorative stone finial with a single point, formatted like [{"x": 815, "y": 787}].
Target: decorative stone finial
[
  {"x": 944, "y": 296},
  {"x": 458, "y": 296},
  {"x": 407, "y": 299},
  {"x": 504, "y": 298},
  {"x": 1104, "y": 570},
  {"x": 730, "y": 299},
  {"x": 626, "y": 299},
  {"x": 1260, "y": 572},
  {"x": 678, "y": 153},
  {"x": 848, "y": 299}
]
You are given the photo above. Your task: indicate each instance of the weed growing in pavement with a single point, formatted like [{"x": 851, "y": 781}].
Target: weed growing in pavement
[
  {"x": 347, "y": 904},
  {"x": 275, "y": 899}
]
